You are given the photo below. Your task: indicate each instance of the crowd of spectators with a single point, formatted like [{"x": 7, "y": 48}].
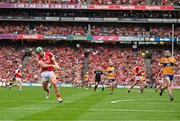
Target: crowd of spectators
[
  {"x": 98, "y": 2},
  {"x": 94, "y": 29},
  {"x": 71, "y": 60},
  {"x": 109, "y": 14},
  {"x": 47, "y": 29},
  {"x": 135, "y": 30},
  {"x": 101, "y": 57}
]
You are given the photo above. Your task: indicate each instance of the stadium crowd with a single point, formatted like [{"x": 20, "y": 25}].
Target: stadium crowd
[
  {"x": 68, "y": 58},
  {"x": 102, "y": 56},
  {"x": 47, "y": 29},
  {"x": 98, "y": 30},
  {"x": 98, "y": 2},
  {"x": 134, "y": 30},
  {"x": 71, "y": 60},
  {"x": 92, "y": 15}
]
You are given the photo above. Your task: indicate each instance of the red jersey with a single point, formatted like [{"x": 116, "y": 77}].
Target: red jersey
[
  {"x": 137, "y": 70},
  {"x": 47, "y": 59},
  {"x": 18, "y": 73}
]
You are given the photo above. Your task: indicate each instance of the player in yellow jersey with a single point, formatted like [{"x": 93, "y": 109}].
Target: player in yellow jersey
[
  {"x": 167, "y": 62},
  {"x": 110, "y": 76}
]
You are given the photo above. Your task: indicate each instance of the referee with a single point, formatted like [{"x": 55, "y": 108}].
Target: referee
[{"x": 98, "y": 74}]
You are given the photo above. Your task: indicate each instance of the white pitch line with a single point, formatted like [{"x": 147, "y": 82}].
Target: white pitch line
[
  {"x": 43, "y": 101},
  {"x": 130, "y": 100},
  {"x": 95, "y": 109},
  {"x": 37, "y": 101},
  {"x": 69, "y": 101},
  {"x": 99, "y": 120}
]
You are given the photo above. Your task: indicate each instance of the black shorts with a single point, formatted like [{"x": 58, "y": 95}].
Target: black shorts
[
  {"x": 97, "y": 80},
  {"x": 171, "y": 77}
]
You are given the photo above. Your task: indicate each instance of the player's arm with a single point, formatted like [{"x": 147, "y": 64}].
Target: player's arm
[
  {"x": 141, "y": 71},
  {"x": 133, "y": 70},
  {"x": 161, "y": 62},
  {"x": 44, "y": 65},
  {"x": 175, "y": 61},
  {"x": 19, "y": 73},
  {"x": 132, "y": 77},
  {"x": 55, "y": 63}
]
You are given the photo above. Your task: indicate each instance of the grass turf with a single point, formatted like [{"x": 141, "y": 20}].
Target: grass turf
[{"x": 85, "y": 105}]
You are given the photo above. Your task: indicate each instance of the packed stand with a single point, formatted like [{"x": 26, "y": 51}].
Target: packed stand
[
  {"x": 110, "y": 14},
  {"x": 9, "y": 57},
  {"x": 43, "y": 29},
  {"x": 164, "y": 31},
  {"x": 134, "y": 30},
  {"x": 101, "y": 57},
  {"x": 69, "y": 59}
]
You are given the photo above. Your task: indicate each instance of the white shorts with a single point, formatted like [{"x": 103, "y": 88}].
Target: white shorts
[
  {"x": 137, "y": 78},
  {"x": 46, "y": 75},
  {"x": 19, "y": 80}
]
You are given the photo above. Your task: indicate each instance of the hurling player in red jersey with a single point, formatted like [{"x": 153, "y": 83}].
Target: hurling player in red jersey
[
  {"x": 48, "y": 65},
  {"x": 138, "y": 70},
  {"x": 17, "y": 79},
  {"x": 159, "y": 81}
]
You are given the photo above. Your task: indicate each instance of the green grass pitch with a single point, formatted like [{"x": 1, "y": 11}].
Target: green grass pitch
[{"x": 85, "y": 105}]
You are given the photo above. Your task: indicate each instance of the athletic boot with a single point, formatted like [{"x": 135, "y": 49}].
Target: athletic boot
[
  {"x": 103, "y": 89},
  {"x": 171, "y": 99},
  {"x": 59, "y": 100},
  {"x": 129, "y": 91},
  {"x": 161, "y": 92},
  {"x": 141, "y": 91},
  {"x": 47, "y": 96}
]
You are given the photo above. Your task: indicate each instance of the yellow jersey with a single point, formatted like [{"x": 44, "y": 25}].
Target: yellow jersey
[
  {"x": 110, "y": 73},
  {"x": 168, "y": 64}
]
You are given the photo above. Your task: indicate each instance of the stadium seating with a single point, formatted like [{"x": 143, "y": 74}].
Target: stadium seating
[
  {"x": 91, "y": 15},
  {"x": 43, "y": 29},
  {"x": 71, "y": 61},
  {"x": 98, "y": 30}
]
